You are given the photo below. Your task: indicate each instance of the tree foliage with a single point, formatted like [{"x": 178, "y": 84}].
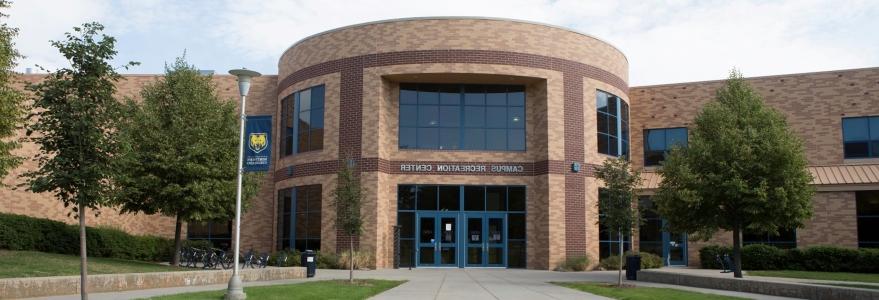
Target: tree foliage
[
  {"x": 11, "y": 100},
  {"x": 74, "y": 117},
  {"x": 347, "y": 199},
  {"x": 619, "y": 214},
  {"x": 743, "y": 168},
  {"x": 180, "y": 150}
]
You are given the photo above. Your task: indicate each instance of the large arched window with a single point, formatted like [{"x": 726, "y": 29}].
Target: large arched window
[{"x": 613, "y": 124}]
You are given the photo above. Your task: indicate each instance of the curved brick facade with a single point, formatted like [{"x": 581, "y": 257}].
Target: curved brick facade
[{"x": 560, "y": 69}]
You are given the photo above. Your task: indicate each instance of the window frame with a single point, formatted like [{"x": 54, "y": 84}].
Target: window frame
[
  {"x": 872, "y": 151},
  {"x": 291, "y": 109},
  {"x": 291, "y": 237},
  {"x": 411, "y": 133},
  {"x": 605, "y": 239},
  {"x": 620, "y": 125},
  {"x": 859, "y": 195},
  {"x": 665, "y": 142},
  {"x": 771, "y": 240}
]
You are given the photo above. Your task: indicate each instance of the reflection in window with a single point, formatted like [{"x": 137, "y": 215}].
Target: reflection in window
[
  {"x": 219, "y": 233},
  {"x": 609, "y": 240},
  {"x": 657, "y": 142},
  {"x": 469, "y": 117},
  {"x": 868, "y": 218},
  {"x": 785, "y": 239},
  {"x": 860, "y": 136},
  {"x": 612, "y": 114},
  {"x": 650, "y": 232},
  {"x": 302, "y": 121},
  {"x": 299, "y": 218}
]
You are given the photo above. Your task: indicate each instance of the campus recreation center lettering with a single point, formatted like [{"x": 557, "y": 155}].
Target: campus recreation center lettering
[{"x": 462, "y": 168}]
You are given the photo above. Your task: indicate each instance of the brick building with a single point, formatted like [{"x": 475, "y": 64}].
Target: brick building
[{"x": 478, "y": 137}]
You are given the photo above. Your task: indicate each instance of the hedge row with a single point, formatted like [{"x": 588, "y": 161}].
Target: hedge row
[
  {"x": 648, "y": 261},
  {"x": 25, "y": 233},
  {"x": 819, "y": 258}
]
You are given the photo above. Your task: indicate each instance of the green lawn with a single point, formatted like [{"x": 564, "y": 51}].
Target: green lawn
[
  {"x": 840, "y": 276},
  {"x": 37, "y": 264},
  {"x": 639, "y": 293},
  {"x": 326, "y": 289}
]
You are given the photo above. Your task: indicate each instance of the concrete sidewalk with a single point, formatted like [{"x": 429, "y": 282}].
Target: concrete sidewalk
[{"x": 451, "y": 283}]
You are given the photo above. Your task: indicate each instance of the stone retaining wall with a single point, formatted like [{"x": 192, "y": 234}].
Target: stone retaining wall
[
  {"x": 67, "y": 285},
  {"x": 774, "y": 288}
]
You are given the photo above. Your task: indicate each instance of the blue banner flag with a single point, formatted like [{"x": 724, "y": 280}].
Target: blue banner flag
[{"x": 258, "y": 143}]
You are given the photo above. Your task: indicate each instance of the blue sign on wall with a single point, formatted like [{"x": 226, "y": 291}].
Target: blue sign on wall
[{"x": 258, "y": 143}]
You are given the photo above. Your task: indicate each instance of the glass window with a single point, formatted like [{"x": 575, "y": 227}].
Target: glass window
[
  {"x": 608, "y": 240},
  {"x": 868, "y": 218},
  {"x": 472, "y": 117},
  {"x": 427, "y": 197},
  {"x": 860, "y": 137},
  {"x": 516, "y": 195},
  {"x": 474, "y": 198},
  {"x": 302, "y": 120},
  {"x": 218, "y": 232},
  {"x": 612, "y": 114},
  {"x": 449, "y": 198},
  {"x": 657, "y": 143},
  {"x": 785, "y": 239},
  {"x": 299, "y": 218},
  {"x": 496, "y": 198}
]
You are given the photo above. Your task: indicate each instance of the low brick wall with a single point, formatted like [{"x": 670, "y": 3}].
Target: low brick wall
[
  {"x": 67, "y": 285},
  {"x": 774, "y": 288}
]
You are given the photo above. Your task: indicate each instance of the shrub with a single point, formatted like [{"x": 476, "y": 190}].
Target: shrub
[
  {"x": 575, "y": 264},
  {"x": 763, "y": 257},
  {"x": 327, "y": 260},
  {"x": 363, "y": 260},
  {"x": 648, "y": 261},
  {"x": 294, "y": 258},
  {"x": 34, "y": 234},
  {"x": 819, "y": 258},
  {"x": 610, "y": 263},
  {"x": 708, "y": 254}
]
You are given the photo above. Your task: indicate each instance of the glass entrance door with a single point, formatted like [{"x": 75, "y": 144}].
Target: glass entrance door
[
  {"x": 437, "y": 239},
  {"x": 675, "y": 248},
  {"x": 486, "y": 240}
]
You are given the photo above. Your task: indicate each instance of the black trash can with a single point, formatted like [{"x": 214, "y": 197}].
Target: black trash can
[
  {"x": 633, "y": 265},
  {"x": 309, "y": 261}
]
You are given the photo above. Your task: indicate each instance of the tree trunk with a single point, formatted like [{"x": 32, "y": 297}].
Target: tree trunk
[
  {"x": 620, "y": 266},
  {"x": 351, "y": 259},
  {"x": 178, "y": 243},
  {"x": 737, "y": 251},
  {"x": 83, "y": 254}
]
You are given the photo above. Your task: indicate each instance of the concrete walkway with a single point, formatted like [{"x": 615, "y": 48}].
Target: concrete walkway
[{"x": 450, "y": 283}]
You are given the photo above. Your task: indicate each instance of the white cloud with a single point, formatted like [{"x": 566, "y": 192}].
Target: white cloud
[{"x": 665, "y": 42}]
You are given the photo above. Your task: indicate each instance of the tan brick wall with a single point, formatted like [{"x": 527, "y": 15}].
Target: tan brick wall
[
  {"x": 814, "y": 105},
  {"x": 44, "y": 205},
  {"x": 456, "y": 33},
  {"x": 834, "y": 221}
]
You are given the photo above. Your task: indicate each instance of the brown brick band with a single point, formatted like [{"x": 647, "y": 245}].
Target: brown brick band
[
  {"x": 372, "y": 164},
  {"x": 351, "y": 65}
]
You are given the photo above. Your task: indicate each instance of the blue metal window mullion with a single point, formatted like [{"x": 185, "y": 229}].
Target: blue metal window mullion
[
  {"x": 295, "y": 110},
  {"x": 619, "y": 126},
  {"x": 292, "y": 235}
]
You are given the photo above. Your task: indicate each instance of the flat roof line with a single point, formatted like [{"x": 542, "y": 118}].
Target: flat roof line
[{"x": 754, "y": 77}]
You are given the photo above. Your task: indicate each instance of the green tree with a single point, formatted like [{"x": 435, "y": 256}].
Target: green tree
[
  {"x": 179, "y": 152},
  {"x": 618, "y": 209},
  {"x": 11, "y": 104},
  {"x": 743, "y": 169},
  {"x": 347, "y": 199},
  {"x": 75, "y": 117}
]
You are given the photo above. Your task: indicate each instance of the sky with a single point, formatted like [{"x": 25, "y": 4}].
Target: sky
[{"x": 664, "y": 41}]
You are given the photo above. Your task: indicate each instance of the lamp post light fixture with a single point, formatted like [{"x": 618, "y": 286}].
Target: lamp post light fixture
[{"x": 236, "y": 288}]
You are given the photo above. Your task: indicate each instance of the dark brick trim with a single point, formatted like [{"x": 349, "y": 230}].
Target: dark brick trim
[
  {"x": 452, "y": 56},
  {"x": 373, "y": 164}
]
